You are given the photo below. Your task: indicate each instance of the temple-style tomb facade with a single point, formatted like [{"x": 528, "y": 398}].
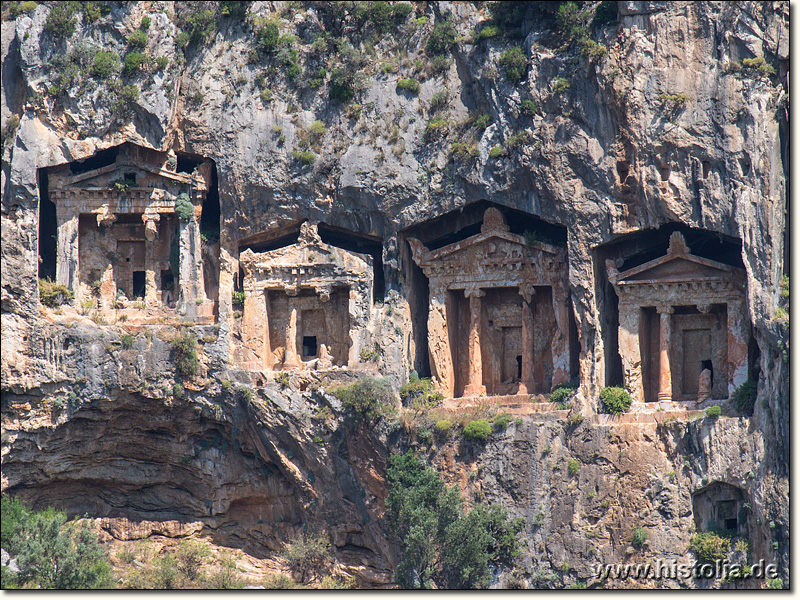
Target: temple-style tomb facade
[
  {"x": 683, "y": 326},
  {"x": 498, "y": 320},
  {"x": 305, "y": 305}
]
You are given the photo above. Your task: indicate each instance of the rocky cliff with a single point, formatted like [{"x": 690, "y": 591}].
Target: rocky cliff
[{"x": 650, "y": 116}]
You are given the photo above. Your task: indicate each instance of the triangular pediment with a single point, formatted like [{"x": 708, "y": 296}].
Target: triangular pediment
[
  {"x": 678, "y": 265},
  {"x": 100, "y": 177}
]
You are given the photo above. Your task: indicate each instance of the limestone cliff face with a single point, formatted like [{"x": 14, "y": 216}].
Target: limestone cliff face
[{"x": 661, "y": 130}]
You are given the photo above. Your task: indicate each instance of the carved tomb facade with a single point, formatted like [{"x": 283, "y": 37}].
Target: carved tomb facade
[
  {"x": 306, "y": 305},
  {"x": 498, "y": 320},
  {"x": 683, "y": 326}
]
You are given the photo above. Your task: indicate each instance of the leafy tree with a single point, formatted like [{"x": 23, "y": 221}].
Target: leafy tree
[
  {"x": 441, "y": 545},
  {"x": 368, "y": 399},
  {"x": 309, "y": 555},
  {"x": 53, "y": 553},
  {"x": 185, "y": 355},
  {"x": 442, "y": 38}
]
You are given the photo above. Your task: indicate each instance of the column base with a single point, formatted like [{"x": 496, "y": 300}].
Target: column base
[
  {"x": 664, "y": 397},
  {"x": 474, "y": 390},
  {"x": 527, "y": 387}
]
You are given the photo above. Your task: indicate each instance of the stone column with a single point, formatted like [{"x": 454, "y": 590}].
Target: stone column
[
  {"x": 255, "y": 331},
  {"x": 191, "y": 268},
  {"x": 527, "y": 384},
  {"x": 474, "y": 385},
  {"x": 290, "y": 359},
  {"x": 738, "y": 337},
  {"x": 664, "y": 341},
  {"x": 151, "y": 296},
  {"x": 67, "y": 261},
  {"x": 629, "y": 349},
  {"x": 439, "y": 352},
  {"x": 561, "y": 339}
]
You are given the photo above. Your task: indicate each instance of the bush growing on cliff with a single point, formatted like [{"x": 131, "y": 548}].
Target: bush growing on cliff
[
  {"x": 409, "y": 85},
  {"x": 709, "y": 547},
  {"x": 105, "y": 64},
  {"x": 442, "y": 38},
  {"x": 563, "y": 392},
  {"x": 184, "y": 355},
  {"x": 745, "y": 397},
  {"x": 53, "y": 294},
  {"x": 639, "y": 537},
  {"x": 51, "y": 552},
  {"x": 441, "y": 544},
  {"x": 615, "y": 400},
  {"x": 514, "y": 63},
  {"x": 478, "y": 430},
  {"x": 184, "y": 207},
  {"x": 309, "y": 556},
  {"x": 420, "y": 393},
  {"x": 60, "y": 21},
  {"x": 368, "y": 399}
]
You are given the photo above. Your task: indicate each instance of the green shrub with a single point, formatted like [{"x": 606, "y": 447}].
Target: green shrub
[
  {"x": 199, "y": 20},
  {"x": 92, "y": 11},
  {"x": 605, "y": 14},
  {"x": 478, "y": 430},
  {"x": 442, "y": 38},
  {"x": 184, "y": 207},
  {"x": 463, "y": 151},
  {"x": 709, "y": 547},
  {"x": 191, "y": 557},
  {"x": 615, "y": 400},
  {"x": 561, "y": 85},
  {"x": 238, "y": 298},
  {"x": 409, "y": 85},
  {"x": 713, "y": 411},
  {"x": 127, "y": 341},
  {"x": 529, "y": 108},
  {"x": 563, "y": 391},
  {"x": 317, "y": 129},
  {"x": 501, "y": 422},
  {"x": 178, "y": 390},
  {"x": 105, "y": 64},
  {"x": 497, "y": 152},
  {"x": 745, "y": 397},
  {"x": 184, "y": 355},
  {"x": 368, "y": 399},
  {"x": 673, "y": 101},
  {"x": 437, "y": 127},
  {"x": 162, "y": 62},
  {"x": 639, "y": 537},
  {"x": 128, "y": 95},
  {"x": 51, "y": 552},
  {"x": 573, "y": 466},
  {"x": 60, "y": 21},
  {"x": 758, "y": 64},
  {"x": 593, "y": 51},
  {"x": 309, "y": 555},
  {"x": 443, "y": 427},
  {"x": 514, "y": 63},
  {"x": 490, "y": 31},
  {"x": 226, "y": 577},
  {"x": 134, "y": 62},
  {"x": 28, "y": 6},
  {"x": 424, "y": 436},
  {"x": 440, "y": 100},
  {"x": 420, "y": 394},
  {"x": 304, "y": 157},
  {"x": 572, "y": 21},
  {"x": 243, "y": 394},
  {"x": 137, "y": 39},
  {"x": 483, "y": 121},
  {"x": 282, "y": 379},
  {"x": 53, "y": 294}
]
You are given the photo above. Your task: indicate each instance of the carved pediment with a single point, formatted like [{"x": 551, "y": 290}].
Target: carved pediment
[{"x": 678, "y": 265}]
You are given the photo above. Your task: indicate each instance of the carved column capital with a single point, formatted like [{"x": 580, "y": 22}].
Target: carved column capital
[
  {"x": 704, "y": 308},
  {"x": 665, "y": 309},
  {"x": 527, "y": 291},
  {"x": 474, "y": 292}
]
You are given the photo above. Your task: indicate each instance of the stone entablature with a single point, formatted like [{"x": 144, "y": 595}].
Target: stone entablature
[
  {"x": 123, "y": 252},
  {"x": 516, "y": 297},
  {"x": 306, "y": 305},
  {"x": 702, "y": 332}
]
